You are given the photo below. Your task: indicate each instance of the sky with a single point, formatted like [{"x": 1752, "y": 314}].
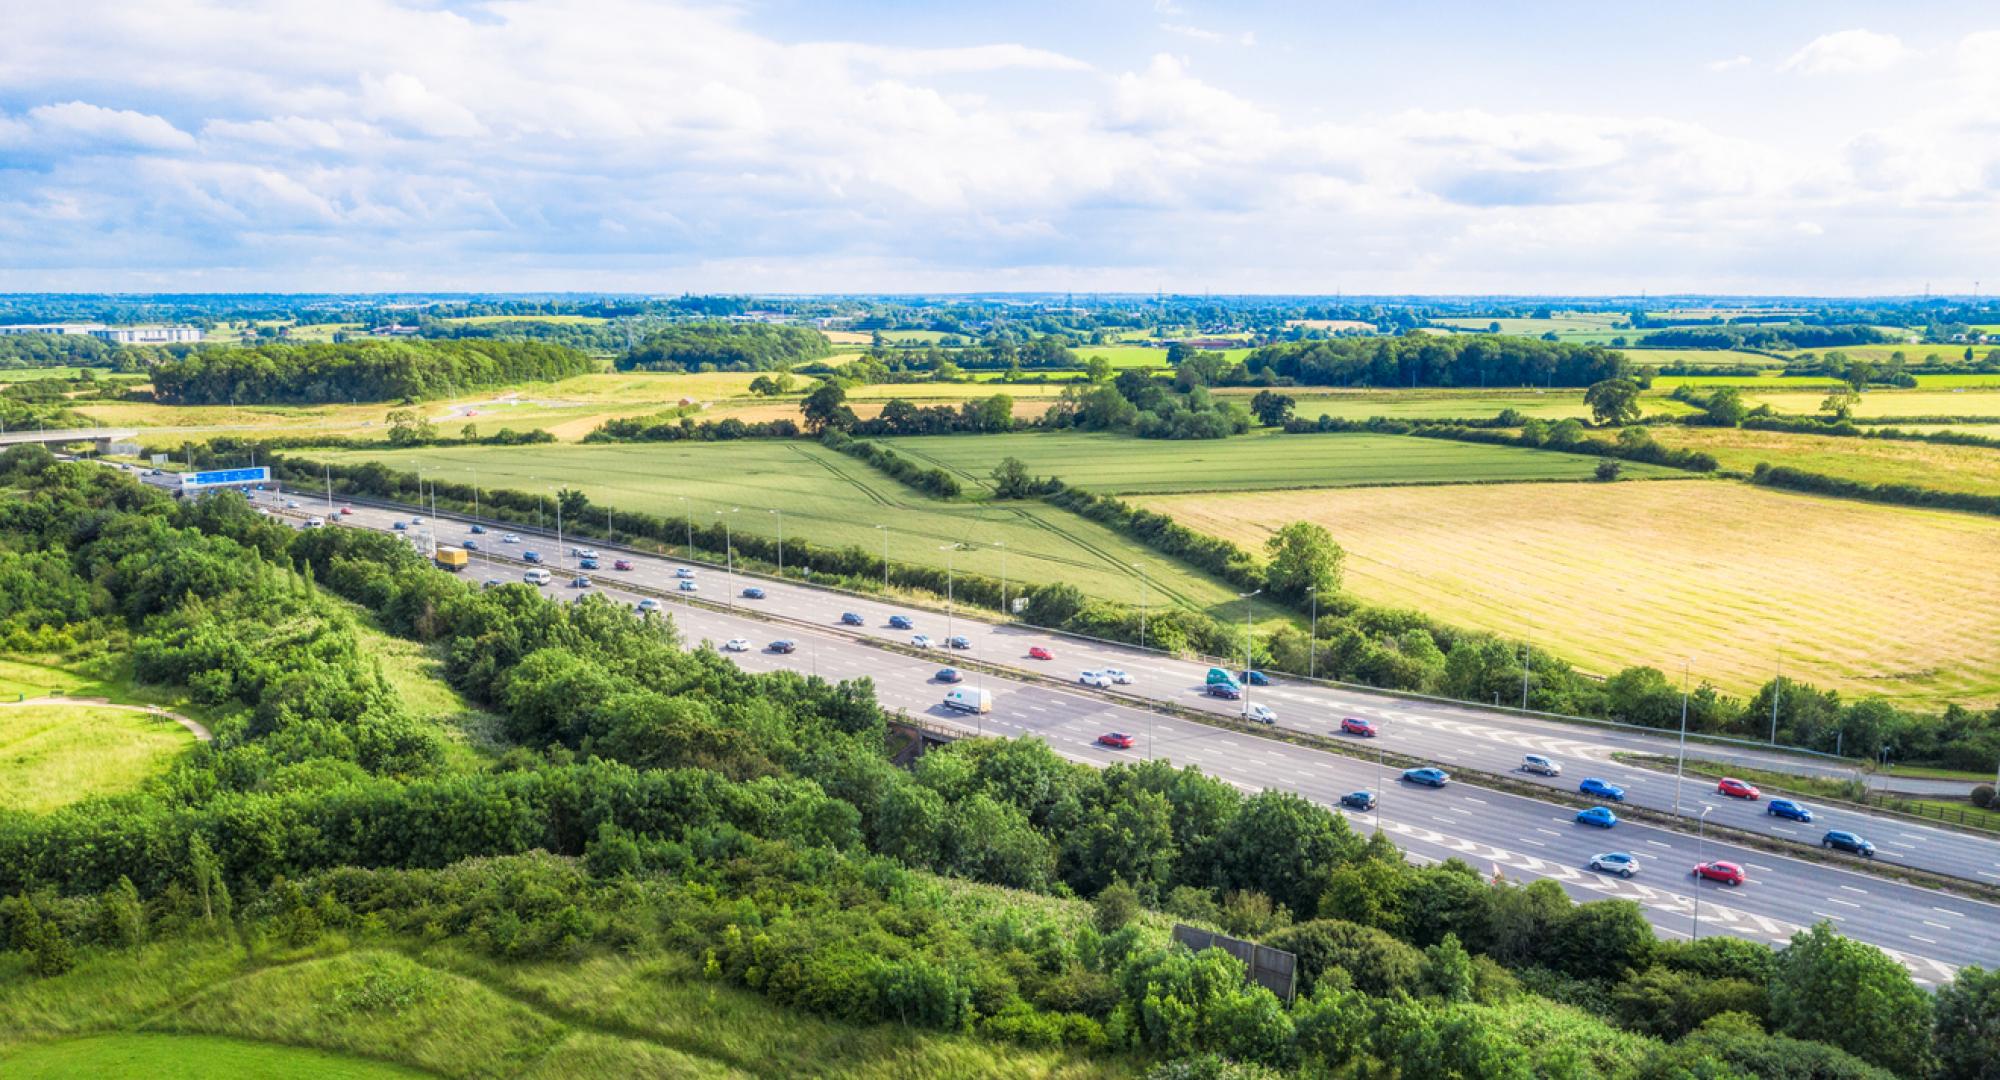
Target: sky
[{"x": 777, "y": 146}]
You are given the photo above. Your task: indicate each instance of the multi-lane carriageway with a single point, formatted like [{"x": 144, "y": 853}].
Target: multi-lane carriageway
[{"x": 1930, "y": 931}]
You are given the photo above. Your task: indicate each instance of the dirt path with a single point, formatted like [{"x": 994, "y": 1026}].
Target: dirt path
[{"x": 201, "y": 734}]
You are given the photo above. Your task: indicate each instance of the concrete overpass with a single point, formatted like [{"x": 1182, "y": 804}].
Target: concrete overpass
[{"x": 104, "y": 437}]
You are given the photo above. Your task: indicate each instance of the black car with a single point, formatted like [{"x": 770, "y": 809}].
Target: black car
[
  {"x": 784, "y": 646},
  {"x": 1842, "y": 840},
  {"x": 1358, "y": 800}
]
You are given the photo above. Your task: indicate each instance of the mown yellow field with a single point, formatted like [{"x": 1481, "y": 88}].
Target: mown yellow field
[
  {"x": 1961, "y": 402},
  {"x": 1863, "y": 598}
]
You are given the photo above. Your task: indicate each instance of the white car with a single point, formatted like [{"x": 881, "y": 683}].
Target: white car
[
  {"x": 1260, "y": 713},
  {"x": 1117, "y": 676},
  {"x": 921, "y": 641},
  {"x": 291, "y": 504},
  {"x": 314, "y": 523},
  {"x": 416, "y": 521},
  {"x": 647, "y": 605},
  {"x": 510, "y": 538},
  {"x": 683, "y": 572},
  {"x": 1094, "y": 678},
  {"x": 737, "y": 644}
]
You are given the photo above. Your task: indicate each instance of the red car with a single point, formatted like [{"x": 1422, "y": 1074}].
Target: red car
[
  {"x": 1726, "y": 872},
  {"x": 347, "y": 511},
  {"x": 1356, "y": 726},
  {"x": 1117, "y": 740},
  {"x": 622, "y": 564},
  {"x": 1737, "y": 789},
  {"x": 1040, "y": 653}
]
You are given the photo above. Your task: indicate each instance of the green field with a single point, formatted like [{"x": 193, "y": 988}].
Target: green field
[
  {"x": 834, "y": 501},
  {"x": 27, "y": 374},
  {"x": 1970, "y": 469},
  {"x": 1115, "y": 463},
  {"x": 188, "y": 1057},
  {"x": 206, "y": 1008},
  {"x": 499, "y": 320},
  {"x": 54, "y": 755},
  {"x": 1143, "y": 356}
]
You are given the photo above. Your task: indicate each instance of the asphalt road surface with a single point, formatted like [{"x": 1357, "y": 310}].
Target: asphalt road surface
[{"x": 1521, "y": 838}]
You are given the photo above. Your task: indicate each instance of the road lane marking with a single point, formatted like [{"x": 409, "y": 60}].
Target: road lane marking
[
  {"x": 1851, "y": 888},
  {"x": 1844, "y": 903}
]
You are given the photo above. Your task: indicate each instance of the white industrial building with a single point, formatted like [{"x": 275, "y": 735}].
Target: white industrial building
[{"x": 122, "y": 335}]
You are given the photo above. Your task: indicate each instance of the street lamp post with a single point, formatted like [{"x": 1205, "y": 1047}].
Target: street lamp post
[
  {"x": 1680, "y": 764},
  {"x": 1312, "y": 636},
  {"x": 781, "y": 541},
  {"x": 559, "y": 536},
  {"x": 1246, "y": 597},
  {"x": 884, "y": 529},
  {"x": 949, "y": 550},
  {"x": 1145, "y": 602},
  {"x": 728, "y": 554},
  {"x": 1701, "y": 856}
]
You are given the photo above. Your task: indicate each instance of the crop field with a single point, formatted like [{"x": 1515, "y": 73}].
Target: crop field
[
  {"x": 1973, "y": 469},
  {"x": 1772, "y": 383},
  {"x": 1875, "y": 599},
  {"x": 1914, "y": 353},
  {"x": 1146, "y": 356},
  {"x": 832, "y": 500},
  {"x": 1563, "y": 324},
  {"x": 1959, "y": 402},
  {"x": 54, "y": 755},
  {"x": 1698, "y": 358},
  {"x": 1117, "y": 463}
]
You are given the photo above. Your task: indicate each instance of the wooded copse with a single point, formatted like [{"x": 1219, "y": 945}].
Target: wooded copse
[
  {"x": 755, "y": 823},
  {"x": 1417, "y": 360},
  {"x": 718, "y": 345},
  {"x": 316, "y": 374}
]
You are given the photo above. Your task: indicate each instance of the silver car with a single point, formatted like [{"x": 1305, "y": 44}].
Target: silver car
[{"x": 1536, "y": 763}]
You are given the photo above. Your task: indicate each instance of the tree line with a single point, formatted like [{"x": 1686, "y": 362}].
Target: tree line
[
  {"x": 314, "y": 374},
  {"x": 1419, "y": 360},
  {"x": 721, "y": 345}
]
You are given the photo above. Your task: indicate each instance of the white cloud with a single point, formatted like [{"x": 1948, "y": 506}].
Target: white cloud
[
  {"x": 1728, "y": 63},
  {"x": 401, "y": 99},
  {"x": 1848, "y": 52},
  {"x": 96, "y": 123}
]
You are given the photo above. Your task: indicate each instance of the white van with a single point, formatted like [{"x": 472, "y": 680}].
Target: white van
[
  {"x": 968, "y": 699},
  {"x": 536, "y": 576}
]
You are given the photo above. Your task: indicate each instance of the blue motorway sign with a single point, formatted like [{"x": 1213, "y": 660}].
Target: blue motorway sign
[{"x": 226, "y": 477}]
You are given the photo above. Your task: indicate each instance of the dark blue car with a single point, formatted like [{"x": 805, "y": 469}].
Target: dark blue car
[
  {"x": 478, "y": 530},
  {"x": 949, "y": 675},
  {"x": 586, "y": 564},
  {"x": 753, "y": 593},
  {"x": 1428, "y": 776},
  {"x": 531, "y": 556},
  {"x": 1594, "y": 786},
  {"x": 900, "y": 622},
  {"x": 1600, "y": 816},
  {"x": 1255, "y": 678},
  {"x": 1842, "y": 840},
  {"x": 849, "y": 618},
  {"x": 1358, "y": 800},
  {"x": 1786, "y": 808}
]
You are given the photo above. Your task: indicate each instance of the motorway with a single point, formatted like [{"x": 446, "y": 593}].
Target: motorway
[{"x": 1931, "y": 932}]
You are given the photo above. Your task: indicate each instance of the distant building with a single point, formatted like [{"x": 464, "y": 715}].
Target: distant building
[
  {"x": 394, "y": 330},
  {"x": 122, "y": 335},
  {"x": 148, "y": 335}
]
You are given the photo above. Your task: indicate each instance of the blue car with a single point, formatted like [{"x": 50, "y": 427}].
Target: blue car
[
  {"x": 1358, "y": 800},
  {"x": 1256, "y": 678},
  {"x": 900, "y": 622},
  {"x": 399, "y": 526},
  {"x": 531, "y": 556},
  {"x": 753, "y": 593},
  {"x": 1786, "y": 808},
  {"x": 1428, "y": 776},
  {"x": 949, "y": 675},
  {"x": 1600, "y": 816},
  {"x": 1594, "y": 786},
  {"x": 472, "y": 545},
  {"x": 849, "y": 618},
  {"x": 1842, "y": 840},
  {"x": 478, "y": 530},
  {"x": 586, "y": 564}
]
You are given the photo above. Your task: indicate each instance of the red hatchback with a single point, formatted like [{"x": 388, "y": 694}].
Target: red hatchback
[
  {"x": 1117, "y": 740},
  {"x": 1040, "y": 653},
  {"x": 1355, "y": 726},
  {"x": 1726, "y": 872},
  {"x": 622, "y": 564},
  {"x": 1737, "y": 789}
]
